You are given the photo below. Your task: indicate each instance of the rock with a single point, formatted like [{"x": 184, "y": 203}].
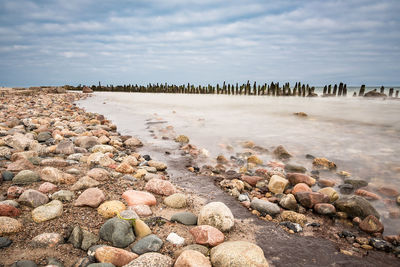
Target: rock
[
  {"x": 43, "y": 136},
  {"x": 175, "y": 239},
  {"x": 24, "y": 155},
  {"x": 277, "y": 184},
  {"x": 116, "y": 256},
  {"x": 105, "y": 264},
  {"x": 5, "y": 242},
  {"x": 326, "y": 183},
  {"x": 330, "y": 192},
  {"x": 88, "y": 239},
  {"x": 216, "y": 214},
  {"x": 63, "y": 195},
  {"x": 125, "y": 168},
  {"x": 301, "y": 187},
  {"x": 101, "y": 159},
  {"x": 20, "y": 165},
  {"x": 24, "y": 263},
  {"x": 151, "y": 259},
  {"x": 14, "y": 192},
  {"x": 55, "y": 162},
  {"x": 26, "y": 177},
  {"x": 150, "y": 243},
  {"x": 5, "y": 152},
  {"x": 186, "y": 218},
  {"x": 98, "y": 174},
  {"x": 398, "y": 200},
  {"x": 176, "y": 201},
  {"x": 83, "y": 183},
  {"x": 76, "y": 237},
  {"x": 111, "y": 208},
  {"x": 7, "y": 175},
  {"x": 9, "y": 225},
  {"x": 33, "y": 198},
  {"x": 160, "y": 187},
  {"x": 238, "y": 253},
  {"x": 371, "y": 225},
  {"x": 47, "y": 187},
  {"x": 294, "y": 217},
  {"x": 56, "y": 176},
  {"x": 47, "y": 240},
  {"x": 158, "y": 165},
  {"x": 380, "y": 244},
  {"x": 139, "y": 174},
  {"x": 295, "y": 178},
  {"x": 309, "y": 199},
  {"x": 192, "y": 258},
  {"x": 281, "y": 153},
  {"x": 251, "y": 180},
  {"x": 48, "y": 211},
  {"x": 117, "y": 231},
  {"x": 207, "y": 235},
  {"x": 141, "y": 228},
  {"x": 346, "y": 189},
  {"x": 91, "y": 197},
  {"x": 141, "y": 210},
  {"x": 356, "y": 183},
  {"x": 388, "y": 191},
  {"x": 288, "y": 202},
  {"x": 133, "y": 197},
  {"x": 129, "y": 214},
  {"x": 9, "y": 210},
  {"x": 10, "y": 202},
  {"x": 356, "y": 206},
  {"x": 87, "y": 90},
  {"x": 295, "y": 168},
  {"x": 199, "y": 248},
  {"x": 18, "y": 141},
  {"x": 182, "y": 139},
  {"x": 255, "y": 160},
  {"x": 133, "y": 142},
  {"x": 65, "y": 147},
  {"x": 323, "y": 164},
  {"x": 367, "y": 195},
  {"x": 86, "y": 141},
  {"x": 295, "y": 227},
  {"x": 103, "y": 149},
  {"x": 325, "y": 209},
  {"x": 374, "y": 93},
  {"x": 265, "y": 207}
]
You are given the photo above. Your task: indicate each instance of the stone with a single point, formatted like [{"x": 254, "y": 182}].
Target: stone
[
  {"x": 18, "y": 141},
  {"x": 76, "y": 237},
  {"x": 346, "y": 189},
  {"x": 98, "y": 174},
  {"x": 160, "y": 187},
  {"x": 139, "y": 174},
  {"x": 9, "y": 225},
  {"x": 141, "y": 228},
  {"x": 86, "y": 141},
  {"x": 118, "y": 257},
  {"x": 255, "y": 160},
  {"x": 281, "y": 153},
  {"x": 101, "y": 159},
  {"x": 207, "y": 235},
  {"x": 158, "y": 165},
  {"x": 356, "y": 206},
  {"x": 24, "y": 155},
  {"x": 251, "y": 180},
  {"x": 216, "y": 214},
  {"x": 102, "y": 149},
  {"x": 43, "y": 136},
  {"x": 371, "y": 225},
  {"x": 277, "y": 184},
  {"x": 26, "y": 177},
  {"x": 367, "y": 195},
  {"x": 133, "y": 142},
  {"x": 83, "y": 183},
  {"x": 325, "y": 209},
  {"x": 380, "y": 244},
  {"x": 192, "y": 258},
  {"x": 294, "y": 217},
  {"x": 356, "y": 183},
  {"x": 47, "y": 240},
  {"x": 47, "y": 187},
  {"x": 63, "y": 195},
  {"x": 91, "y": 197},
  {"x": 24, "y": 263},
  {"x": 7, "y": 175},
  {"x": 293, "y": 227},
  {"x": 295, "y": 168},
  {"x": 56, "y": 162},
  {"x": 150, "y": 243},
  {"x": 33, "y": 198},
  {"x": 175, "y": 239},
  {"x": 151, "y": 259},
  {"x": 54, "y": 175},
  {"x": 295, "y": 178},
  {"x": 5, "y": 152},
  {"x": 186, "y": 218},
  {"x": 125, "y": 168},
  {"x": 65, "y": 147},
  {"x": 111, "y": 208},
  {"x": 182, "y": 139},
  {"x": 176, "y": 201},
  {"x": 323, "y": 164},
  {"x": 133, "y": 197},
  {"x": 288, "y": 202},
  {"x": 10, "y": 202},
  {"x": 265, "y": 207},
  {"x": 48, "y": 211},
  {"x": 20, "y": 165},
  {"x": 9, "y": 210},
  {"x": 141, "y": 210},
  {"x": 238, "y": 253},
  {"x": 388, "y": 191},
  {"x": 128, "y": 214},
  {"x": 196, "y": 247},
  {"x": 88, "y": 239},
  {"x": 117, "y": 231},
  {"x": 14, "y": 192},
  {"x": 330, "y": 192},
  {"x": 309, "y": 199},
  {"x": 5, "y": 242}
]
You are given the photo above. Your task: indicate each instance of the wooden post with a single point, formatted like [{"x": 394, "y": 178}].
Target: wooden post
[
  {"x": 345, "y": 90},
  {"x": 335, "y": 90},
  {"x": 329, "y": 89},
  {"x": 325, "y": 90},
  {"x": 362, "y": 90},
  {"x": 391, "y": 92},
  {"x": 382, "y": 90},
  {"x": 397, "y": 93},
  {"x": 303, "y": 90},
  {"x": 340, "y": 89}
]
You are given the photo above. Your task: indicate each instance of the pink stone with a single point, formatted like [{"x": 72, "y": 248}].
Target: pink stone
[
  {"x": 251, "y": 180},
  {"x": 301, "y": 187},
  {"x": 192, "y": 258},
  {"x": 91, "y": 197},
  {"x": 33, "y": 198},
  {"x": 98, "y": 174},
  {"x": 20, "y": 165},
  {"x": 207, "y": 235},
  {"x": 14, "y": 192},
  {"x": 47, "y": 240},
  {"x": 160, "y": 187},
  {"x": 117, "y": 256},
  {"x": 8, "y": 210},
  {"x": 47, "y": 187},
  {"x": 133, "y": 197},
  {"x": 141, "y": 210}
]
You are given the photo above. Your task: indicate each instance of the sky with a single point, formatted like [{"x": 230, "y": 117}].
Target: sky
[{"x": 58, "y": 42}]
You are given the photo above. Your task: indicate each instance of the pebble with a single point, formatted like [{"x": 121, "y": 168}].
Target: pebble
[
  {"x": 186, "y": 218},
  {"x": 151, "y": 259},
  {"x": 133, "y": 197},
  {"x": 281, "y": 153},
  {"x": 294, "y": 227},
  {"x": 7, "y": 175},
  {"x": 98, "y": 174},
  {"x": 176, "y": 201},
  {"x": 133, "y": 142},
  {"x": 380, "y": 244},
  {"x": 356, "y": 206},
  {"x": 158, "y": 165},
  {"x": 265, "y": 207},
  {"x": 325, "y": 209},
  {"x": 129, "y": 214},
  {"x": 207, "y": 235},
  {"x": 14, "y": 192},
  {"x": 83, "y": 183},
  {"x": 33, "y": 198},
  {"x": 9, "y": 225},
  {"x": 160, "y": 187},
  {"x": 118, "y": 257},
  {"x": 326, "y": 183},
  {"x": 192, "y": 258},
  {"x": 309, "y": 199},
  {"x": 47, "y": 187},
  {"x": 125, "y": 168},
  {"x": 47, "y": 240},
  {"x": 54, "y": 175},
  {"x": 5, "y": 242},
  {"x": 216, "y": 214},
  {"x": 301, "y": 187},
  {"x": 277, "y": 184},
  {"x": 63, "y": 195},
  {"x": 48, "y": 211},
  {"x": 356, "y": 183},
  {"x": 251, "y": 180},
  {"x": 202, "y": 249},
  {"x": 26, "y": 177},
  {"x": 91, "y": 197},
  {"x": 111, "y": 208},
  {"x": 24, "y": 263},
  {"x": 371, "y": 225},
  {"x": 117, "y": 231},
  {"x": 294, "y": 217},
  {"x": 141, "y": 210},
  {"x": 175, "y": 239},
  {"x": 288, "y": 202},
  {"x": 9, "y": 210},
  {"x": 296, "y": 178},
  {"x": 141, "y": 228},
  {"x": 150, "y": 243}
]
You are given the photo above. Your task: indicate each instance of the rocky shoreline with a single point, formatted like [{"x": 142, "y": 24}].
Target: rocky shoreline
[{"x": 77, "y": 193}]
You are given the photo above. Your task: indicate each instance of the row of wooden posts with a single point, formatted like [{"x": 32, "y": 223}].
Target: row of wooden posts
[{"x": 273, "y": 89}]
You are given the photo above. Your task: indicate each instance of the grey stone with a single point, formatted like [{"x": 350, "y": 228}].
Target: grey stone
[
  {"x": 88, "y": 239},
  {"x": 186, "y": 218},
  {"x": 63, "y": 195},
  {"x": 65, "y": 147},
  {"x": 7, "y": 175},
  {"x": 33, "y": 198},
  {"x": 356, "y": 183},
  {"x": 24, "y": 263},
  {"x": 117, "y": 231},
  {"x": 151, "y": 259},
  {"x": 356, "y": 206},
  {"x": 76, "y": 237},
  {"x": 105, "y": 264},
  {"x": 44, "y": 136},
  {"x": 265, "y": 207},
  {"x": 26, "y": 177},
  {"x": 150, "y": 243},
  {"x": 5, "y": 242}
]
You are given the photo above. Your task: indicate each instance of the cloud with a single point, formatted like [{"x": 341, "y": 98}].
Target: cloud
[{"x": 316, "y": 42}]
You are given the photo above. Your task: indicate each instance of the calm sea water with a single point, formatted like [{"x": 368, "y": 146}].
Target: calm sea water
[{"x": 362, "y": 136}]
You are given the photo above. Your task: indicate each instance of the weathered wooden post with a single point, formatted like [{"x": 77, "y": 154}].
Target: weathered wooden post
[
  {"x": 397, "y": 93},
  {"x": 345, "y": 90},
  {"x": 329, "y": 89},
  {"x": 391, "y": 92},
  {"x": 362, "y": 90},
  {"x": 303, "y": 90},
  {"x": 382, "y": 90},
  {"x": 340, "y": 89},
  {"x": 335, "y": 90}
]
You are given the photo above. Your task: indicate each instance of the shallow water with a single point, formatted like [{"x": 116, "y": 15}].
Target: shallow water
[{"x": 360, "y": 135}]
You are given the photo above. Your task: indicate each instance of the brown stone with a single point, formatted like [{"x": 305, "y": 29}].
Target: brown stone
[
  {"x": 371, "y": 225},
  {"x": 8, "y": 210},
  {"x": 91, "y": 197},
  {"x": 309, "y": 199},
  {"x": 133, "y": 197},
  {"x": 160, "y": 187},
  {"x": 98, "y": 174},
  {"x": 323, "y": 164},
  {"x": 251, "y": 180},
  {"x": 192, "y": 258},
  {"x": 14, "y": 192},
  {"x": 326, "y": 183},
  {"x": 125, "y": 168},
  {"x": 117, "y": 256},
  {"x": 367, "y": 195},
  {"x": 301, "y": 187},
  {"x": 388, "y": 191},
  {"x": 207, "y": 235},
  {"x": 20, "y": 165},
  {"x": 296, "y": 178},
  {"x": 47, "y": 187},
  {"x": 141, "y": 210},
  {"x": 325, "y": 209}
]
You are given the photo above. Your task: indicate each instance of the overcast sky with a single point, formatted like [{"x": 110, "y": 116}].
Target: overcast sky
[{"x": 57, "y": 42}]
